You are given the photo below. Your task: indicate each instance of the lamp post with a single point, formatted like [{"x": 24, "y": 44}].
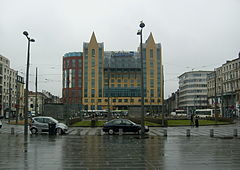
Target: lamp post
[
  {"x": 26, "y": 90},
  {"x": 142, "y": 25}
]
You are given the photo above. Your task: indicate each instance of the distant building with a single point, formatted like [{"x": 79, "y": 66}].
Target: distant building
[
  {"x": 36, "y": 106},
  {"x": 50, "y": 98},
  {"x": 98, "y": 74},
  {"x": 227, "y": 88},
  {"x": 193, "y": 90},
  {"x": 172, "y": 103},
  {"x": 20, "y": 97},
  {"x": 72, "y": 80},
  {"x": 8, "y": 78}
]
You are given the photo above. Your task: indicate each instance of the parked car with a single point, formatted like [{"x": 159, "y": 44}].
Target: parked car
[
  {"x": 126, "y": 125},
  {"x": 41, "y": 124}
]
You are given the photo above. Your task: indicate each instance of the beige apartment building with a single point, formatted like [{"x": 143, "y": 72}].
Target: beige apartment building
[{"x": 227, "y": 80}]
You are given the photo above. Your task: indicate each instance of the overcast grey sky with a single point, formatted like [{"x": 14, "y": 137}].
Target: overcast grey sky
[{"x": 195, "y": 34}]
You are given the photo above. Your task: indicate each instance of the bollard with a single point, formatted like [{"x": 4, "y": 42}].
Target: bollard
[
  {"x": 235, "y": 133},
  {"x": 165, "y": 132},
  {"x": 211, "y": 132},
  {"x": 120, "y": 131},
  {"x": 188, "y": 132},
  {"x": 12, "y": 130},
  {"x": 79, "y": 132}
]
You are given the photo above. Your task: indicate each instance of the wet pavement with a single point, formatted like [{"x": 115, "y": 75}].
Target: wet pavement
[{"x": 125, "y": 152}]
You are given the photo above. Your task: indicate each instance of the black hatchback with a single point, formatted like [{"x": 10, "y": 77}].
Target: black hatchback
[{"x": 126, "y": 125}]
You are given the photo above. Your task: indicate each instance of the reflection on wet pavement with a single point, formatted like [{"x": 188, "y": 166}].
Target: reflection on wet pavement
[{"x": 118, "y": 152}]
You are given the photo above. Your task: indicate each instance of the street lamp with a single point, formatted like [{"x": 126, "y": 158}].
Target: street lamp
[
  {"x": 26, "y": 90},
  {"x": 142, "y": 25}
]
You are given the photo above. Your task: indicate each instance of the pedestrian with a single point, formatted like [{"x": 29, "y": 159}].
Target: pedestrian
[
  {"x": 192, "y": 122},
  {"x": 196, "y": 122}
]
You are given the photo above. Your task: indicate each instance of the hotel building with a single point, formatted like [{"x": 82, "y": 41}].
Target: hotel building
[{"x": 115, "y": 75}]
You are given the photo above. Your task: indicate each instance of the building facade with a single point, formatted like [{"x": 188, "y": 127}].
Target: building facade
[
  {"x": 20, "y": 97},
  {"x": 50, "y": 98},
  {"x": 72, "y": 81},
  {"x": 193, "y": 90},
  {"x": 172, "y": 103},
  {"x": 226, "y": 79},
  {"x": 113, "y": 77},
  {"x": 8, "y": 78},
  {"x": 36, "y": 107}
]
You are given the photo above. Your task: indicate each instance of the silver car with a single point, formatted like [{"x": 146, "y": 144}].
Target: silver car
[{"x": 41, "y": 124}]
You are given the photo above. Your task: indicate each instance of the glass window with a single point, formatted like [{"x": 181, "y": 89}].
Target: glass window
[
  {"x": 40, "y": 120},
  {"x": 93, "y": 52},
  {"x": 73, "y": 63},
  {"x": 93, "y": 82},
  {"x": 116, "y": 122},
  {"x": 93, "y": 93}
]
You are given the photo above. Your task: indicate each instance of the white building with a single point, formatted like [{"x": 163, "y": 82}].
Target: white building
[
  {"x": 8, "y": 78},
  {"x": 193, "y": 90}
]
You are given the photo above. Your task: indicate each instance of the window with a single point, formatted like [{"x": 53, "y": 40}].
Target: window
[
  {"x": 93, "y": 93},
  {"x": 93, "y": 52},
  {"x": 40, "y": 120},
  {"x": 73, "y": 63},
  {"x": 151, "y": 53},
  {"x": 93, "y": 82}
]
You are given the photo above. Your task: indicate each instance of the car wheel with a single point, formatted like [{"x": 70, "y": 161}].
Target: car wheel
[
  {"x": 59, "y": 131},
  {"x": 111, "y": 132},
  {"x": 34, "y": 131}
]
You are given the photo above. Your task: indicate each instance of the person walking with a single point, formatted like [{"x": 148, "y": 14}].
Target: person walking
[
  {"x": 196, "y": 122},
  {"x": 192, "y": 121}
]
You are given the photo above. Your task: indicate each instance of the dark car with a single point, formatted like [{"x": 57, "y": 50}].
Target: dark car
[{"x": 126, "y": 125}]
